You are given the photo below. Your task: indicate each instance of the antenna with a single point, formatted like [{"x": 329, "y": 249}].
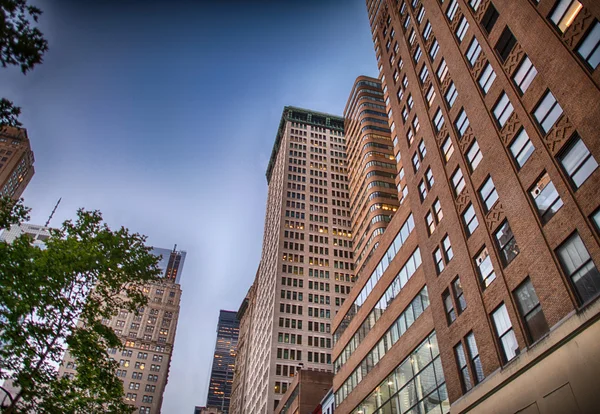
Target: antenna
[
  {"x": 52, "y": 214},
  {"x": 175, "y": 248}
]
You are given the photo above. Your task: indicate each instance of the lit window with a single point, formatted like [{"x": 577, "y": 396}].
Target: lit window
[
  {"x": 525, "y": 74},
  {"x": 564, "y": 12},
  {"x": 470, "y": 220},
  {"x": 505, "y": 240},
  {"x": 462, "y": 28},
  {"x": 531, "y": 311},
  {"x": 485, "y": 268},
  {"x": 546, "y": 198},
  {"x": 461, "y": 361},
  {"x": 547, "y": 112},
  {"x": 447, "y": 148},
  {"x": 462, "y": 123},
  {"x": 503, "y": 109},
  {"x": 451, "y": 95},
  {"x": 579, "y": 267},
  {"x": 487, "y": 77},
  {"x": 488, "y": 194},
  {"x": 473, "y": 51},
  {"x": 506, "y": 335},
  {"x": 589, "y": 48},
  {"x": 521, "y": 148},
  {"x": 458, "y": 181},
  {"x": 577, "y": 161}
]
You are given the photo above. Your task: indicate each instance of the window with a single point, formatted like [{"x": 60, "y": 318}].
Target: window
[
  {"x": 489, "y": 18},
  {"x": 579, "y": 267},
  {"x": 473, "y": 51},
  {"x": 448, "y": 253},
  {"x": 435, "y": 47},
  {"x": 458, "y": 181},
  {"x": 531, "y": 311},
  {"x": 462, "y": 28},
  {"x": 421, "y": 14},
  {"x": 429, "y": 177},
  {"x": 430, "y": 96},
  {"x": 503, "y": 109},
  {"x": 546, "y": 198},
  {"x": 427, "y": 30},
  {"x": 410, "y": 101},
  {"x": 438, "y": 120},
  {"x": 474, "y": 357},
  {"x": 400, "y": 94},
  {"x": 459, "y": 297},
  {"x": 410, "y": 137},
  {"x": 505, "y": 44},
  {"x": 405, "y": 81},
  {"x": 525, "y": 74},
  {"x": 589, "y": 48},
  {"x": 485, "y": 268},
  {"x": 451, "y": 95},
  {"x": 447, "y": 148},
  {"x": 412, "y": 37},
  {"x": 487, "y": 77},
  {"x": 422, "y": 149},
  {"x": 470, "y": 220},
  {"x": 422, "y": 190},
  {"x": 577, "y": 162},
  {"x": 521, "y": 148},
  {"x": 437, "y": 208},
  {"x": 442, "y": 70},
  {"x": 418, "y": 54},
  {"x": 475, "y": 4},
  {"x": 416, "y": 162},
  {"x": 564, "y": 12},
  {"x": 547, "y": 112},
  {"x": 430, "y": 223},
  {"x": 462, "y": 123},
  {"x": 448, "y": 306},
  {"x": 424, "y": 74},
  {"x": 451, "y": 11},
  {"x": 438, "y": 258},
  {"x": 506, "y": 335},
  {"x": 461, "y": 361},
  {"x": 505, "y": 240},
  {"x": 488, "y": 194},
  {"x": 474, "y": 156}
]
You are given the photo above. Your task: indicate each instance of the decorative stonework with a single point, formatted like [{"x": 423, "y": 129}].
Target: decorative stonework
[
  {"x": 513, "y": 60},
  {"x": 455, "y": 21},
  {"x": 446, "y": 84},
  {"x": 574, "y": 33},
  {"x": 426, "y": 85},
  {"x": 442, "y": 134},
  {"x": 510, "y": 129},
  {"x": 478, "y": 66},
  {"x": 465, "y": 141},
  {"x": 463, "y": 200},
  {"x": 481, "y": 10},
  {"x": 495, "y": 216},
  {"x": 559, "y": 134}
]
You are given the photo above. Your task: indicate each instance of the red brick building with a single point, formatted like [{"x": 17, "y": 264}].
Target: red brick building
[{"x": 482, "y": 293}]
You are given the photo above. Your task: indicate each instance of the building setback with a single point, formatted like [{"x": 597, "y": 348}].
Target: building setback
[
  {"x": 148, "y": 338},
  {"x": 16, "y": 161},
  {"x": 483, "y": 292},
  {"x": 306, "y": 269},
  {"x": 221, "y": 376}
]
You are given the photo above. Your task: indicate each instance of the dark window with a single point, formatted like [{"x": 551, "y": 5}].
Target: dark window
[
  {"x": 489, "y": 18},
  {"x": 459, "y": 297},
  {"x": 505, "y": 240},
  {"x": 579, "y": 267},
  {"x": 531, "y": 311},
  {"x": 505, "y": 44}
]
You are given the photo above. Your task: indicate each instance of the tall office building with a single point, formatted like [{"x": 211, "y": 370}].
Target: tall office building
[
  {"x": 16, "y": 161},
  {"x": 148, "y": 338},
  {"x": 307, "y": 263},
  {"x": 38, "y": 234},
  {"x": 483, "y": 292},
  {"x": 221, "y": 376}
]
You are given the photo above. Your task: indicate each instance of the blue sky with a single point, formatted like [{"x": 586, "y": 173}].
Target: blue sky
[{"x": 162, "y": 115}]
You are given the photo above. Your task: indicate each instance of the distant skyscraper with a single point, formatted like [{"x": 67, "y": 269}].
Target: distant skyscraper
[
  {"x": 16, "y": 161},
  {"x": 221, "y": 377},
  {"x": 38, "y": 234},
  {"x": 148, "y": 338}
]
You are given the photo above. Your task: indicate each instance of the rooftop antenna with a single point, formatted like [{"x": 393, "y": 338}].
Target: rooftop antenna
[
  {"x": 175, "y": 248},
  {"x": 52, "y": 214}
]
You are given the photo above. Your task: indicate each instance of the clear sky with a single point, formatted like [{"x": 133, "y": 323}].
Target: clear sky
[{"x": 162, "y": 115}]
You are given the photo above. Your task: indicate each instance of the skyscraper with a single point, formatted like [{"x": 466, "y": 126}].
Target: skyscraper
[
  {"x": 16, "y": 161},
  {"x": 221, "y": 376},
  {"x": 483, "y": 291},
  {"x": 306, "y": 269},
  {"x": 148, "y": 338}
]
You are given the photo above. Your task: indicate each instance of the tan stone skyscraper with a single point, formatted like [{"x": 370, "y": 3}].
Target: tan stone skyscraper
[
  {"x": 148, "y": 338},
  {"x": 16, "y": 161},
  {"x": 307, "y": 261}
]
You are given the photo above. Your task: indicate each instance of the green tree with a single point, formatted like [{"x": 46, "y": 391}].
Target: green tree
[
  {"x": 21, "y": 44},
  {"x": 57, "y": 297}
]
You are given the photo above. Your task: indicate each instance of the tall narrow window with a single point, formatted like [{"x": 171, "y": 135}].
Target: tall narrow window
[
  {"x": 577, "y": 162},
  {"x": 489, "y": 18},
  {"x": 505, "y": 44},
  {"x": 462, "y": 28},
  {"x": 429, "y": 178},
  {"x": 470, "y": 220},
  {"x": 438, "y": 120},
  {"x": 459, "y": 296},
  {"x": 531, "y": 311},
  {"x": 521, "y": 148},
  {"x": 435, "y": 47},
  {"x": 487, "y": 77},
  {"x": 525, "y": 74},
  {"x": 448, "y": 306},
  {"x": 475, "y": 4},
  {"x": 589, "y": 48},
  {"x": 442, "y": 70},
  {"x": 424, "y": 74},
  {"x": 547, "y": 112},
  {"x": 447, "y": 148},
  {"x": 505, "y": 239},
  {"x": 430, "y": 96},
  {"x": 458, "y": 181},
  {"x": 451, "y": 11},
  {"x": 439, "y": 260},
  {"x": 451, "y": 95},
  {"x": 474, "y": 156},
  {"x": 579, "y": 267},
  {"x": 418, "y": 54},
  {"x": 416, "y": 162},
  {"x": 506, "y": 335},
  {"x": 546, "y": 198},
  {"x": 462, "y": 123},
  {"x": 474, "y": 358},
  {"x": 485, "y": 268},
  {"x": 448, "y": 253},
  {"x": 437, "y": 208},
  {"x": 422, "y": 190},
  {"x": 461, "y": 361},
  {"x": 427, "y": 30},
  {"x": 564, "y": 12},
  {"x": 503, "y": 109},
  {"x": 488, "y": 194},
  {"x": 473, "y": 51},
  {"x": 430, "y": 223}
]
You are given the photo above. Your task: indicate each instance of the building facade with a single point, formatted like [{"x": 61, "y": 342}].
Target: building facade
[
  {"x": 305, "y": 393},
  {"x": 148, "y": 338},
  {"x": 223, "y": 367},
  {"x": 306, "y": 269},
  {"x": 16, "y": 161},
  {"x": 482, "y": 294},
  {"x": 38, "y": 234}
]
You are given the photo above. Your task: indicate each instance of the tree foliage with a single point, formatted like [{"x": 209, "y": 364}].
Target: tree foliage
[
  {"x": 21, "y": 44},
  {"x": 56, "y": 297}
]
